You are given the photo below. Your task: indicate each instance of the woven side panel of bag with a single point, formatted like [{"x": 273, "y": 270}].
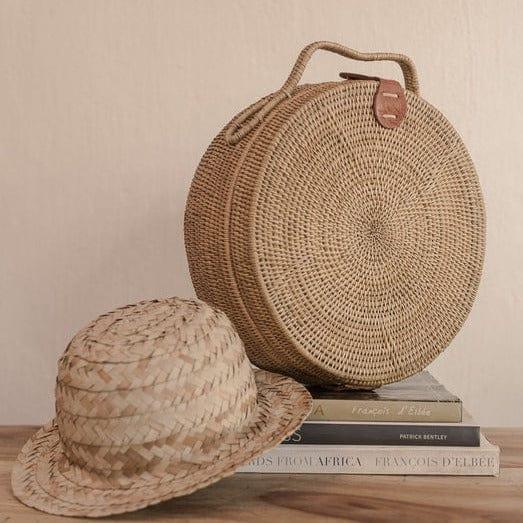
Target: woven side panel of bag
[{"x": 343, "y": 251}]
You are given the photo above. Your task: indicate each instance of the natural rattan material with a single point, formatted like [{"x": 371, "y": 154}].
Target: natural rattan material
[
  {"x": 153, "y": 401},
  {"x": 342, "y": 251}
]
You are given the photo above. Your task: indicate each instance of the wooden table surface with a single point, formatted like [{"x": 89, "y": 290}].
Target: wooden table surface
[{"x": 280, "y": 498}]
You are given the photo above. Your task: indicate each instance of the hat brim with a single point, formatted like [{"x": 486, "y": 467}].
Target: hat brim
[{"x": 39, "y": 481}]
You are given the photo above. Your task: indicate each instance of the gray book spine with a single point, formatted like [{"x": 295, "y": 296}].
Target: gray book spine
[{"x": 318, "y": 433}]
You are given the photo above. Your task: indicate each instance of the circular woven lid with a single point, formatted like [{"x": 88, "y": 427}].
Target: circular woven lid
[{"x": 350, "y": 253}]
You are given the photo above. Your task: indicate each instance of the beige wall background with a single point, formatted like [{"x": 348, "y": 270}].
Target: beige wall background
[{"x": 107, "y": 106}]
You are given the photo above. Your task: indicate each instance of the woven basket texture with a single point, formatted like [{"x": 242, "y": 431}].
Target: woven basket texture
[
  {"x": 343, "y": 252},
  {"x": 153, "y": 401}
]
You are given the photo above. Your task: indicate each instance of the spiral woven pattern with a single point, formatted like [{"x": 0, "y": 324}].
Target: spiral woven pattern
[
  {"x": 153, "y": 401},
  {"x": 343, "y": 252}
]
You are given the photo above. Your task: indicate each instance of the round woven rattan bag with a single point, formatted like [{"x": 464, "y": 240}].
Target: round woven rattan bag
[{"x": 340, "y": 226}]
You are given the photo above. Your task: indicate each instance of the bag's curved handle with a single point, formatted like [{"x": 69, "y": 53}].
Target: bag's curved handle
[{"x": 250, "y": 118}]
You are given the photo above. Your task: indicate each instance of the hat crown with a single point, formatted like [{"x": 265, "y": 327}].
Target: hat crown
[{"x": 150, "y": 384}]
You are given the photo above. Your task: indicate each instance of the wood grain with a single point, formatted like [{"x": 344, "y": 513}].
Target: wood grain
[{"x": 325, "y": 498}]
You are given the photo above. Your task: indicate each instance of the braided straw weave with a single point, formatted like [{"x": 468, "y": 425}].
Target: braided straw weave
[
  {"x": 343, "y": 252},
  {"x": 153, "y": 401}
]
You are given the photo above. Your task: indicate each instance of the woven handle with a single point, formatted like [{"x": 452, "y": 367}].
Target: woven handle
[{"x": 250, "y": 119}]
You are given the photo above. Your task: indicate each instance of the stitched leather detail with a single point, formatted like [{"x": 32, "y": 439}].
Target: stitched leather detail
[{"x": 390, "y": 104}]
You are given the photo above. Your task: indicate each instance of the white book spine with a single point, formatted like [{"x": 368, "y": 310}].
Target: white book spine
[{"x": 353, "y": 459}]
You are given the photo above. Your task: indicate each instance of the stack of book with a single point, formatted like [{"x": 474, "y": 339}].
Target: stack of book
[{"x": 414, "y": 426}]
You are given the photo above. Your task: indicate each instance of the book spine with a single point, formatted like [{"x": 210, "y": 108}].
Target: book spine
[
  {"x": 383, "y": 410},
  {"x": 392, "y": 460},
  {"x": 317, "y": 433}
]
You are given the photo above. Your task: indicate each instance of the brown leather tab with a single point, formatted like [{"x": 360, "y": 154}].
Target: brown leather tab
[
  {"x": 390, "y": 104},
  {"x": 356, "y": 76}
]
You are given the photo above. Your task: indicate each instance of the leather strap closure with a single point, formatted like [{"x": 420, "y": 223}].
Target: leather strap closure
[
  {"x": 390, "y": 104},
  {"x": 357, "y": 76}
]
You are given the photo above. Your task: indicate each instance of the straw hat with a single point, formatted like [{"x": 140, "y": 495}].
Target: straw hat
[{"x": 153, "y": 401}]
